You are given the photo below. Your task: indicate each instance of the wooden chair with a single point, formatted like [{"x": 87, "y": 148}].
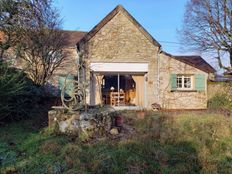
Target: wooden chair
[{"x": 117, "y": 98}]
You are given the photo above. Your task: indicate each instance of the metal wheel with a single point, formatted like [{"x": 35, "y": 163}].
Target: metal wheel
[{"x": 75, "y": 99}]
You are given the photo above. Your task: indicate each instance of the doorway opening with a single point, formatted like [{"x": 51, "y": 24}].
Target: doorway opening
[{"x": 119, "y": 90}]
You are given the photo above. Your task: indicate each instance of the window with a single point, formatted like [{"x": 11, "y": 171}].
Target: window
[{"x": 184, "y": 82}]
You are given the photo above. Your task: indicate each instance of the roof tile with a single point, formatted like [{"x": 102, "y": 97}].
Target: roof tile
[{"x": 197, "y": 62}]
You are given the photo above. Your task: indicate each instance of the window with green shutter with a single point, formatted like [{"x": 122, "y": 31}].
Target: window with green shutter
[
  {"x": 182, "y": 82},
  {"x": 173, "y": 82},
  {"x": 200, "y": 82}
]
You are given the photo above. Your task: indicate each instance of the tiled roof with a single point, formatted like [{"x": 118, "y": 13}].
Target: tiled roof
[
  {"x": 73, "y": 37},
  {"x": 197, "y": 62}
]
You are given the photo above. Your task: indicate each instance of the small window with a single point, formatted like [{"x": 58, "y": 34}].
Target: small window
[
  {"x": 179, "y": 82},
  {"x": 184, "y": 82}
]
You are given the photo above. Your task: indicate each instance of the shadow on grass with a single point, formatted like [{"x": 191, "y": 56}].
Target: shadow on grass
[
  {"x": 159, "y": 145},
  {"x": 145, "y": 157}
]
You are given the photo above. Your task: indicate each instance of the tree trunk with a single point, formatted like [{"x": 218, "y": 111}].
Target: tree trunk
[
  {"x": 230, "y": 52},
  {"x": 1, "y": 55}
]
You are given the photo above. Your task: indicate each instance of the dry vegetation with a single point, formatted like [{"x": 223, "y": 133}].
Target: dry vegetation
[{"x": 196, "y": 142}]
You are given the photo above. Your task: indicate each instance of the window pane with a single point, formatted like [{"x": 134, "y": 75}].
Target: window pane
[
  {"x": 187, "y": 82},
  {"x": 179, "y": 82}
]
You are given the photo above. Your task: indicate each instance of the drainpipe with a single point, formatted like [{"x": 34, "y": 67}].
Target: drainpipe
[
  {"x": 78, "y": 62},
  {"x": 158, "y": 73}
]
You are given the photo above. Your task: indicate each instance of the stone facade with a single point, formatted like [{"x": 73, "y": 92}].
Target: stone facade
[
  {"x": 120, "y": 40},
  {"x": 179, "y": 99}
]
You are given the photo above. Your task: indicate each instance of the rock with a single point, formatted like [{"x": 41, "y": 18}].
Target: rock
[
  {"x": 114, "y": 131},
  {"x": 84, "y": 124},
  {"x": 84, "y": 116},
  {"x": 156, "y": 107},
  {"x": 108, "y": 124},
  {"x": 63, "y": 126},
  {"x": 95, "y": 121}
]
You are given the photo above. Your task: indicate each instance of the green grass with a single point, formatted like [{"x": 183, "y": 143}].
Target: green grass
[{"x": 187, "y": 143}]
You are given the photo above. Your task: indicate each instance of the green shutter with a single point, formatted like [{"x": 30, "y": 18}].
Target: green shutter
[
  {"x": 61, "y": 82},
  {"x": 173, "y": 82},
  {"x": 70, "y": 86},
  {"x": 200, "y": 82}
]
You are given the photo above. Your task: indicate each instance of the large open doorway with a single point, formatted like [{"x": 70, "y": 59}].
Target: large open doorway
[
  {"x": 118, "y": 84},
  {"x": 123, "y": 90}
]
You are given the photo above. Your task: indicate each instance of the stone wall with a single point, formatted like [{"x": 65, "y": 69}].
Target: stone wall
[
  {"x": 121, "y": 41},
  {"x": 91, "y": 123},
  {"x": 177, "y": 99}
]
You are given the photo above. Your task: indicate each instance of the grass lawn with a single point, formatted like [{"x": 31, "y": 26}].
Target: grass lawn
[{"x": 161, "y": 143}]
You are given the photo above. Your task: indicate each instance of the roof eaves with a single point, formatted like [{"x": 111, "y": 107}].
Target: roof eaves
[{"x": 212, "y": 70}]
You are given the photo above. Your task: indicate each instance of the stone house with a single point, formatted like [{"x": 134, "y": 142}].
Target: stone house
[{"x": 127, "y": 67}]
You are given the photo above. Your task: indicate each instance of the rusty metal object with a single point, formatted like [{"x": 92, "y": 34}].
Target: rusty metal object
[{"x": 76, "y": 99}]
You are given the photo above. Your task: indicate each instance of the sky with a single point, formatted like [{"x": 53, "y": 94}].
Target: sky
[{"x": 161, "y": 18}]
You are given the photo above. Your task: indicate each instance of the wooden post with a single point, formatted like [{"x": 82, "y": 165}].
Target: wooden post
[
  {"x": 98, "y": 91},
  {"x": 118, "y": 89}
]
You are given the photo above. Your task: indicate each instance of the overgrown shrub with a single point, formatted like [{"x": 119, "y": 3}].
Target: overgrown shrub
[
  {"x": 17, "y": 93},
  {"x": 219, "y": 101}
]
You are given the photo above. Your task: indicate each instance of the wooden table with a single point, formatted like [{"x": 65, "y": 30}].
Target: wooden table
[{"x": 117, "y": 98}]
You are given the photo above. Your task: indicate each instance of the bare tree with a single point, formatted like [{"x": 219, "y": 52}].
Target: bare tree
[
  {"x": 43, "y": 54},
  {"x": 43, "y": 44},
  {"x": 31, "y": 30},
  {"x": 208, "y": 28},
  {"x": 10, "y": 24}
]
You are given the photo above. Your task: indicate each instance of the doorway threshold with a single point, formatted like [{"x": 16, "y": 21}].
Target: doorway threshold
[{"x": 119, "y": 108}]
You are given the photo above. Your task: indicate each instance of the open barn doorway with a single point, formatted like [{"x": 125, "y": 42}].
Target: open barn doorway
[{"x": 119, "y": 90}]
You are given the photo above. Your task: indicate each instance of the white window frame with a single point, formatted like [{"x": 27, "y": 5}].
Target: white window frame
[{"x": 182, "y": 77}]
